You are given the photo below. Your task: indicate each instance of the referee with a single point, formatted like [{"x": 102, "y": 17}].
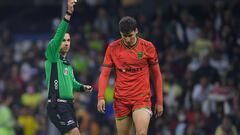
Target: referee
[{"x": 60, "y": 79}]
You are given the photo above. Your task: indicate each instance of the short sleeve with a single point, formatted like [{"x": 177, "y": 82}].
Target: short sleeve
[
  {"x": 108, "y": 58},
  {"x": 152, "y": 53}
]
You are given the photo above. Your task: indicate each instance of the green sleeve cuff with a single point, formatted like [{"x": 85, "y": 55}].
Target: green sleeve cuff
[
  {"x": 77, "y": 86},
  {"x": 65, "y": 20},
  {"x": 81, "y": 88}
]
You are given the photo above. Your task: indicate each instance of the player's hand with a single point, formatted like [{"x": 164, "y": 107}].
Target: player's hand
[
  {"x": 87, "y": 88},
  {"x": 70, "y": 5},
  {"x": 101, "y": 105},
  {"x": 158, "y": 110}
]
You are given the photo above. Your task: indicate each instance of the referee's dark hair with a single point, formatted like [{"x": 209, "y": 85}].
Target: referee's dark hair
[{"x": 127, "y": 24}]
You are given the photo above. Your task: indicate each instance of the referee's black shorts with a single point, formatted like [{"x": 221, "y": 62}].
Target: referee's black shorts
[{"x": 62, "y": 115}]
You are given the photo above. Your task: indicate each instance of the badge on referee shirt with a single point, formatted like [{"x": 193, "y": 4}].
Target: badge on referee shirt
[
  {"x": 139, "y": 55},
  {"x": 65, "y": 72}
]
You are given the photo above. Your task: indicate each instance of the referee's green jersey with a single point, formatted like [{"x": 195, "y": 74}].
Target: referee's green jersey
[{"x": 59, "y": 73}]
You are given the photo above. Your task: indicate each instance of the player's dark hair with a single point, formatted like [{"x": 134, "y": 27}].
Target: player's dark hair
[
  {"x": 67, "y": 32},
  {"x": 127, "y": 24}
]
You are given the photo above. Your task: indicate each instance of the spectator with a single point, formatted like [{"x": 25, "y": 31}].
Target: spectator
[
  {"x": 226, "y": 127},
  {"x": 7, "y": 121}
]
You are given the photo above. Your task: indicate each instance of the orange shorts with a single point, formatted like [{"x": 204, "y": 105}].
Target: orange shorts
[{"x": 125, "y": 108}]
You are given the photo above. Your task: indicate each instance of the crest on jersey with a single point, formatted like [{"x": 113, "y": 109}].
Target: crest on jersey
[
  {"x": 139, "y": 55},
  {"x": 65, "y": 71}
]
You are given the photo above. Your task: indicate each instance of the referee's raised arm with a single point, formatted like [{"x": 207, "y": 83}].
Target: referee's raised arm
[
  {"x": 52, "y": 52},
  {"x": 70, "y": 10}
]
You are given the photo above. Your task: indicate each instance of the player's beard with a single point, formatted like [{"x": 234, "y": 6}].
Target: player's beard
[
  {"x": 64, "y": 50},
  {"x": 131, "y": 43}
]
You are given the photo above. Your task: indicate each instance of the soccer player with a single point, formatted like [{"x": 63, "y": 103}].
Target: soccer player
[
  {"x": 60, "y": 79},
  {"x": 133, "y": 59}
]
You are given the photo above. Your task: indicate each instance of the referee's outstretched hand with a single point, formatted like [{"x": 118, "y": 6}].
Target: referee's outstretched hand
[
  {"x": 101, "y": 105},
  {"x": 70, "y": 6},
  {"x": 87, "y": 88}
]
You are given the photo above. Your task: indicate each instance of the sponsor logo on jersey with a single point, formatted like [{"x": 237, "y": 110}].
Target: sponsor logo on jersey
[
  {"x": 70, "y": 122},
  {"x": 132, "y": 70}
]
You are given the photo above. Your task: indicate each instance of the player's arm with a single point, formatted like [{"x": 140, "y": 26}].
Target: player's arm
[
  {"x": 102, "y": 84},
  {"x": 52, "y": 52},
  {"x": 103, "y": 80},
  {"x": 157, "y": 80}
]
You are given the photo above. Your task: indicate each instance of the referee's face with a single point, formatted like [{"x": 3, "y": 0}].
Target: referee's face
[{"x": 65, "y": 44}]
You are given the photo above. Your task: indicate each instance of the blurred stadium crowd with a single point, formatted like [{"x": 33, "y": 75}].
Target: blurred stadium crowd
[{"x": 199, "y": 53}]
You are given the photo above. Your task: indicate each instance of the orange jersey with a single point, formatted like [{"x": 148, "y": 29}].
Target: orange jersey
[{"x": 131, "y": 65}]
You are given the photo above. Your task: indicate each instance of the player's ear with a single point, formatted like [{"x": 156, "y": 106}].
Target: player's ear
[
  {"x": 136, "y": 30},
  {"x": 121, "y": 34}
]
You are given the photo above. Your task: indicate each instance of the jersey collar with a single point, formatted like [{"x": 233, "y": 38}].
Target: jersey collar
[
  {"x": 130, "y": 47},
  {"x": 65, "y": 60}
]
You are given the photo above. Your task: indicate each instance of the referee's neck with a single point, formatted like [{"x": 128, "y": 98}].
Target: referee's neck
[{"x": 63, "y": 55}]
